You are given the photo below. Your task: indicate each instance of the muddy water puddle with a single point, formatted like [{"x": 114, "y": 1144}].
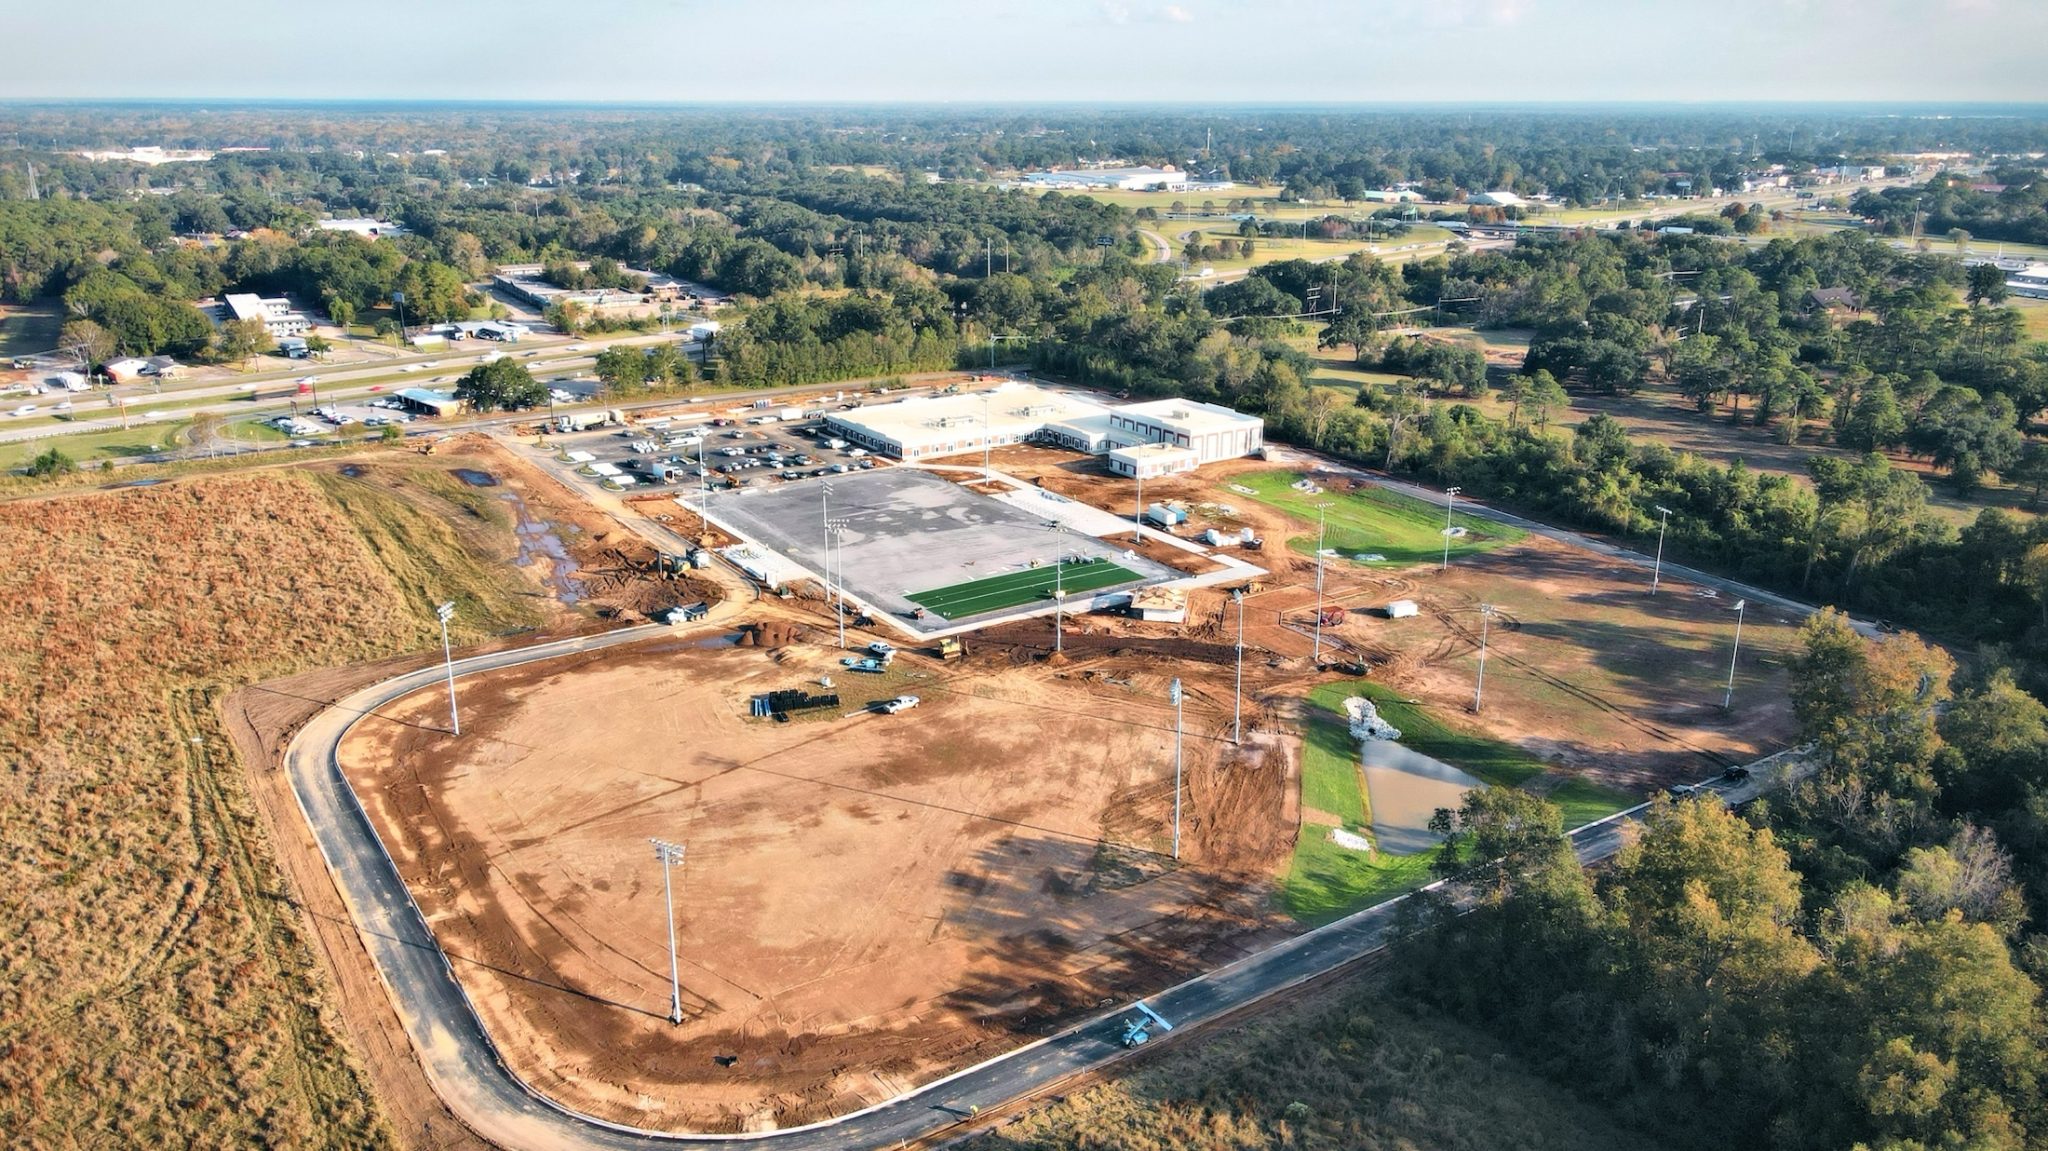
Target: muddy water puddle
[
  {"x": 1406, "y": 788},
  {"x": 475, "y": 478},
  {"x": 539, "y": 544}
]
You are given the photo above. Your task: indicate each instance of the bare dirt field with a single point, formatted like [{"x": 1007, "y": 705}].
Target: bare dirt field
[
  {"x": 868, "y": 902},
  {"x": 1584, "y": 668}
]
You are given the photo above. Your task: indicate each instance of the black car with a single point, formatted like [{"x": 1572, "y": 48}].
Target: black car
[{"x": 1735, "y": 775}]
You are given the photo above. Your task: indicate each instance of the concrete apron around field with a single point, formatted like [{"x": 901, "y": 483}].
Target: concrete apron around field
[{"x": 1406, "y": 787}]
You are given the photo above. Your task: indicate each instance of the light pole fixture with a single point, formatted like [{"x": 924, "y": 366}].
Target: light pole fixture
[
  {"x": 1237, "y": 707},
  {"x": 1486, "y": 614},
  {"x": 1322, "y": 511},
  {"x": 1059, "y": 590},
  {"x": 1728, "y": 697},
  {"x": 1450, "y": 498},
  {"x": 1176, "y": 693},
  {"x": 838, "y": 536},
  {"x": 1657, "y": 570},
  {"x": 670, "y": 856},
  {"x": 444, "y": 613}
]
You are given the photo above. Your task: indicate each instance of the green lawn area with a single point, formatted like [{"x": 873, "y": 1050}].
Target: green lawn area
[
  {"x": 1584, "y": 802},
  {"x": 1330, "y": 781},
  {"x": 1325, "y": 881},
  {"x": 1373, "y": 520},
  {"x": 2034, "y": 314},
  {"x": 143, "y": 439},
  {"x": 956, "y": 601},
  {"x": 1500, "y": 764}
]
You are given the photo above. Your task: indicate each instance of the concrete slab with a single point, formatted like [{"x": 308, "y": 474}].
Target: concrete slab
[{"x": 908, "y": 531}]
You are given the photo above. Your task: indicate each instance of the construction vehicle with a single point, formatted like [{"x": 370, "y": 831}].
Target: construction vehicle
[
  {"x": 949, "y": 648},
  {"x": 1138, "y": 1028}
]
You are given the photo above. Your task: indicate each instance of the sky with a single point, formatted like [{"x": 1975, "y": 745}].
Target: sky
[{"x": 1036, "y": 51}]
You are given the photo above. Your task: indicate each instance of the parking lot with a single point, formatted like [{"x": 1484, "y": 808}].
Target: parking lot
[
  {"x": 909, "y": 531},
  {"x": 732, "y": 455}
]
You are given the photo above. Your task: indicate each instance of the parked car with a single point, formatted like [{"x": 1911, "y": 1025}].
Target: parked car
[{"x": 900, "y": 703}]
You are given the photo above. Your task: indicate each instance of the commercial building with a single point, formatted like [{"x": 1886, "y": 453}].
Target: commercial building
[
  {"x": 1150, "y": 461},
  {"x": 524, "y": 282},
  {"x": 927, "y": 427},
  {"x": 2030, "y": 282},
  {"x": 1211, "y": 431},
  {"x": 275, "y": 313},
  {"x": 1137, "y": 179},
  {"x": 924, "y": 427},
  {"x": 363, "y": 226},
  {"x": 428, "y": 402}
]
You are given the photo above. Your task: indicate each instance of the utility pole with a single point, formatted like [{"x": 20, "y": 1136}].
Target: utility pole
[
  {"x": 1657, "y": 572},
  {"x": 1322, "y": 510},
  {"x": 1450, "y": 496},
  {"x": 1486, "y": 611},
  {"x": 988, "y": 258},
  {"x": 1237, "y": 708},
  {"x": 1176, "y": 692},
  {"x": 444, "y": 613},
  {"x": 398, "y": 298},
  {"x": 670, "y": 856},
  {"x": 1728, "y": 698}
]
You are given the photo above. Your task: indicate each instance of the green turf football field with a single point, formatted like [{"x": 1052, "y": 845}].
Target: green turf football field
[{"x": 957, "y": 601}]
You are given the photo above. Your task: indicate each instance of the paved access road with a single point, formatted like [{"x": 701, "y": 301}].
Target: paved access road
[{"x": 464, "y": 1067}]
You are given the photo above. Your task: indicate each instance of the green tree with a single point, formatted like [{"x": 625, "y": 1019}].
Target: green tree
[
  {"x": 1985, "y": 284},
  {"x": 501, "y": 384},
  {"x": 51, "y": 462},
  {"x": 240, "y": 341}
]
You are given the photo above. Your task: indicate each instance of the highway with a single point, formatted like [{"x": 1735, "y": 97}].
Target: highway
[{"x": 465, "y": 1069}]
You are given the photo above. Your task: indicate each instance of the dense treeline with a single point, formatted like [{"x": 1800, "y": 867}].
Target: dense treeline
[
  {"x": 1853, "y": 965},
  {"x": 361, "y": 158},
  {"x": 2011, "y": 203},
  {"x": 1860, "y": 534}
]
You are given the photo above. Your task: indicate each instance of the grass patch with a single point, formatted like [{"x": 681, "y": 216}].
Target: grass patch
[
  {"x": 1584, "y": 801},
  {"x": 1499, "y": 764},
  {"x": 1330, "y": 779},
  {"x": 956, "y": 601},
  {"x": 147, "y": 439},
  {"x": 427, "y": 560},
  {"x": 1326, "y": 882},
  {"x": 1373, "y": 520}
]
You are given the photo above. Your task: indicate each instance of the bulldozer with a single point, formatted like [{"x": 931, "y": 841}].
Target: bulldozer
[{"x": 950, "y": 648}]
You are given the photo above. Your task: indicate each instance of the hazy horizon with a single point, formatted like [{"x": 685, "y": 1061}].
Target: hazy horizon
[{"x": 1065, "y": 52}]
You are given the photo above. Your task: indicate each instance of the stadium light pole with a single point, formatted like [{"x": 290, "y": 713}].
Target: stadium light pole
[
  {"x": 838, "y": 528},
  {"x": 1486, "y": 612},
  {"x": 1450, "y": 498},
  {"x": 1138, "y": 513},
  {"x": 1059, "y": 590},
  {"x": 1237, "y": 707},
  {"x": 986, "y": 424},
  {"x": 444, "y": 613},
  {"x": 1657, "y": 570},
  {"x": 1177, "y": 695},
  {"x": 1728, "y": 697},
  {"x": 1322, "y": 510},
  {"x": 670, "y": 856}
]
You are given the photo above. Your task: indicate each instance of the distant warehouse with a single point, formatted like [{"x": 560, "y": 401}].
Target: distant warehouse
[{"x": 928, "y": 427}]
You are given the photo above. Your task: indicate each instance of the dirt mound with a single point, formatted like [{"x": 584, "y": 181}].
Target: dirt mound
[{"x": 770, "y": 634}]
